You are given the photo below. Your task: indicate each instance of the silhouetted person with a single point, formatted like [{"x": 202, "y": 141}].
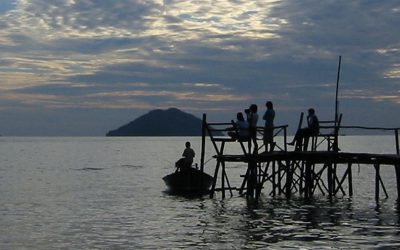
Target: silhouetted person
[
  {"x": 269, "y": 117},
  {"x": 302, "y": 135},
  {"x": 187, "y": 160},
  {"x": 252, "y": 118},
  {"x": 242, "y": 128}
]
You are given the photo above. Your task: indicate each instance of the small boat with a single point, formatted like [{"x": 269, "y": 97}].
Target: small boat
[{"x": 188, "y": 181}]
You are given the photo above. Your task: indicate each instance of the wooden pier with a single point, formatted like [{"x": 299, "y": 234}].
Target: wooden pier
[{"x": 307, "y": 169}]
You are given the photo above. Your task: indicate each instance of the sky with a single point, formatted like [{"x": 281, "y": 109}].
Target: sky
[{"x": 84, "y": 67}]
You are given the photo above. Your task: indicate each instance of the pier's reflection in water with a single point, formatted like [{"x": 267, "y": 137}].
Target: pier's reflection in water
[{"x": 282, "y": 223}]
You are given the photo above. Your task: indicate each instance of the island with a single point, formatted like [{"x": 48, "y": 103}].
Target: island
[{"x": 169, "y": 122}]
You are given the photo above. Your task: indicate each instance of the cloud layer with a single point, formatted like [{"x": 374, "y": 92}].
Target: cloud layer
[{"x": 127, "y": 57}]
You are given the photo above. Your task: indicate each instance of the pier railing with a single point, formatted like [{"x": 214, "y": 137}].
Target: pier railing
[{"x": 395, "y": 131}]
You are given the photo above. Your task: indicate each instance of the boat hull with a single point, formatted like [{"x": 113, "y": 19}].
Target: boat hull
[{"x": 188, "y": 181}]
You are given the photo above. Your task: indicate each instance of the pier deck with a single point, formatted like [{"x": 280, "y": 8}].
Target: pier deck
[{"x": 315, "y": 157}]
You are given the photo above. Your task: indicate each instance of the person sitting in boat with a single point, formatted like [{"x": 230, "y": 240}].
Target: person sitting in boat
[
  {"x": 302, "y": 135},
  {"x": 242, "y": 128},
  {"x": 186, "y": 161}
]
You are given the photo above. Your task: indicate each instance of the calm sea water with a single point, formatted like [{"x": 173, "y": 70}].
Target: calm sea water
[{"x": 91, "y": 193}]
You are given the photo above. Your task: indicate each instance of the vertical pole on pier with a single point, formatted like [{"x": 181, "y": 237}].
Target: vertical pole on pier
[
  {"x": 274, "y": 178},
  {"x": 280, "y": 168},
  {"x": 397, "y": 166},
  {"x": 337, "y": 92},
  {"x": 308, "y": 181},
  {"x": 330, "y": 181},
  {"x": 289, "y": 178},
  {"x": 203, "y": 141},
  {"x": 397, "y": 141},
  {"x": 350, "y": 179},
  {"x": 285, "y": 139},
  {"x": 223, "y": 179},
  {"x": 252, "y": 181},
  {"x": 377, "y": 176}
]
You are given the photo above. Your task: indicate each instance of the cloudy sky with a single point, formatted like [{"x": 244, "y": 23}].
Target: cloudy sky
[{"x": 83, "y": 67}]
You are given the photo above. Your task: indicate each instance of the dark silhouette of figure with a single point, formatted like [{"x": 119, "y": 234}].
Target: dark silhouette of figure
[
  {"x": 252, "y": 118},
  {"x": 269, "y": 117},
  {"x": 302, "y": 135},
  {"x": 242, "y": 127},
  {"x": 186, "y": 161}
]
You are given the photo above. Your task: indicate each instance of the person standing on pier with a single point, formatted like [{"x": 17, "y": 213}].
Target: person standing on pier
[
  {"x": 269, "y": 117},
  {"x": 302, "y": 135},
  {"x": 252, "y": 118}
]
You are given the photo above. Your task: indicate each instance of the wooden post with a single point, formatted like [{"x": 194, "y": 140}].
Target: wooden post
[
  {"x": 285, "y": 139},
  {"x": 215, "y": 179},
  {"x": 223, "y": 170},
  {"x": 377, "y": 168},
  {"x": 203, "y": 141},
  {"x": 330, "y": 181},
  {"x": 308, "y": 181},
  {"x": 397, "y": 141},
  {"x": 252, "y": 179},
  {"x": 280, "y": 168},
  {"x": 302, "y": 176},
  {"x": 350, "y": 179},
  {"x": 397, "y": 169},
  {"x": 273, "y": 179},
  {"x": 289, "y": 178},
  {"x": 223, "y": 179},
  {"x": 334, "y": 177},
  {"x": 397, "y": 166},
  {"x": 337, "y": 91}
]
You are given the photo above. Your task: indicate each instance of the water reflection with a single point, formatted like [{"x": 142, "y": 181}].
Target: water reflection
[
  {"x": 278, "y": 222},
  {"x": 287, "y": 223}
]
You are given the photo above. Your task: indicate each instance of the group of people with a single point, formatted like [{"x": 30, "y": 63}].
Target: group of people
[{"x": 246, "y": 129}]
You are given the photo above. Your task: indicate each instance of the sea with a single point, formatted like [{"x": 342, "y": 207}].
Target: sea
[{"x": 108, "y": 193}]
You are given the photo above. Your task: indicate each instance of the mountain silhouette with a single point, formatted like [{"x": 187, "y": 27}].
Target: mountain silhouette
[{"x": 169, "y": 122}]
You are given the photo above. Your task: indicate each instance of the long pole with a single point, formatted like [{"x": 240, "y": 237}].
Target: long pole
[
  {"x": 203, "y": 141},
  {"x": 337, "y": 91}
]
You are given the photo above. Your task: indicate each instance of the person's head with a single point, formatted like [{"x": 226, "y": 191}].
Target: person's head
[
  {"x": 239, "y": 116},
  {"x": 311, "y": 111},
  {"x": 269, "y": 105},
  {"x": 187, "y": 144},
  {"x": 253, "y": 108}
]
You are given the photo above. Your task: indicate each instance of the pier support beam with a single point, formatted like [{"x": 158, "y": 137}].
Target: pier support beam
[
  {"x": 397, "y": 169},
  {"x": 397, "y": 166},
  {"x": 252, "y": 178},
  {"x": 350, "y": 179},
  {"x": 330, "y": 181},
  {"x": 377, "y": 173},
  {"x": 308, "y": 185}
]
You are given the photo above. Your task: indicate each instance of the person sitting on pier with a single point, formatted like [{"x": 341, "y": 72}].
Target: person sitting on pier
[
  {"x": 186, "y": 161},
  {"x": 302, "y": 135},
  {"x": 242, "y": 128},
  {"x": 269, "y": 117}
]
